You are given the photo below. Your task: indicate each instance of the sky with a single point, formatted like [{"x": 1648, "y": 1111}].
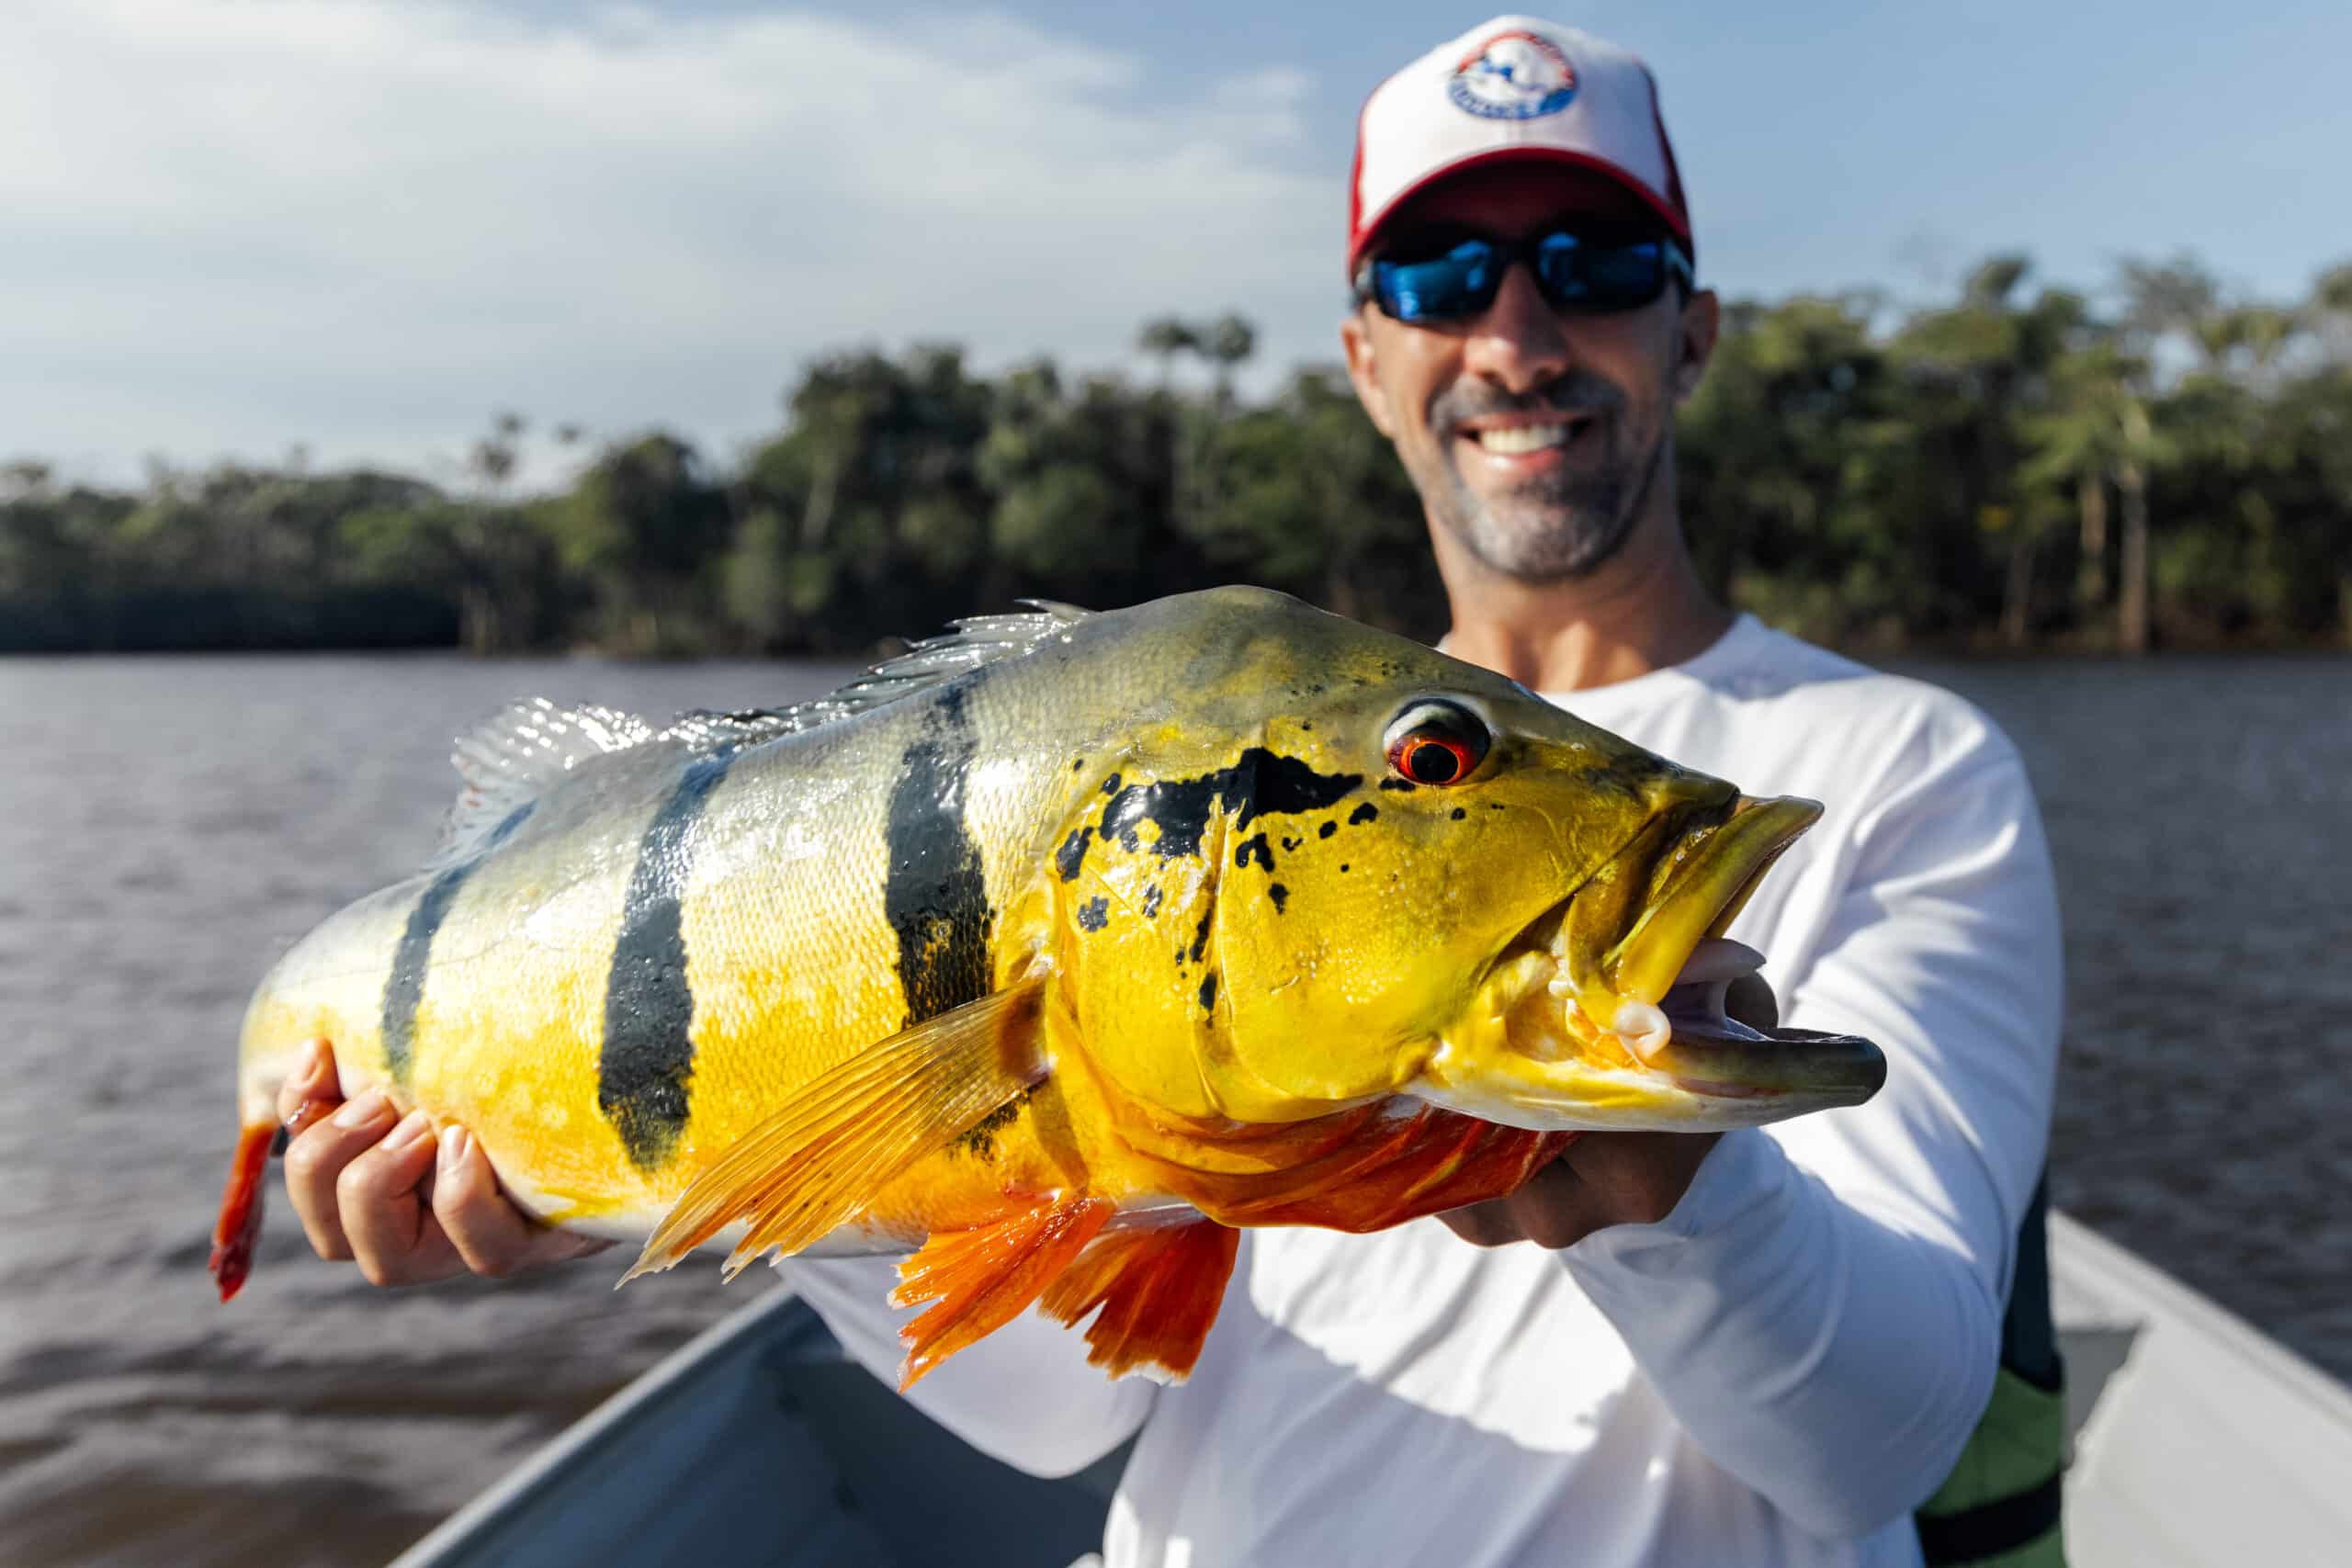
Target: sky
[{"x": 230, "y": 228}]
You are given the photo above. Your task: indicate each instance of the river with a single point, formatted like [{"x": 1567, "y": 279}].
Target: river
[{"x": 168, "y": 826}]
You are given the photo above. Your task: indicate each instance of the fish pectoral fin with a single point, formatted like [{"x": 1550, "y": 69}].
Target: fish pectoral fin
[
  {"x": 815, "y": 1165},
  {"x": 1159, "y": 1289},
  {"x": 983, "y": 1277}
]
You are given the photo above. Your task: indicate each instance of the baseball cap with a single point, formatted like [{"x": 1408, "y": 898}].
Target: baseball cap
[{"x": 1517, "y": 88}]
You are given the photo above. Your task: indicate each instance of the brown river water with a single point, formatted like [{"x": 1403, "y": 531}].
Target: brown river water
[{"x": 168, "y": 826}]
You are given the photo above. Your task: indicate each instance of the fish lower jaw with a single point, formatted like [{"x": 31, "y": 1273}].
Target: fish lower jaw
[{"x": 1534, "y": 1056}]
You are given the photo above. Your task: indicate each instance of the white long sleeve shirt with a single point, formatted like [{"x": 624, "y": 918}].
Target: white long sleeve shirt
[{"x": 1777, "y": 1371}]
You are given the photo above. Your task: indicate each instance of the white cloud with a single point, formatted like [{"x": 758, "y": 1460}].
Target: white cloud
[{"x": 364, "y": 224}]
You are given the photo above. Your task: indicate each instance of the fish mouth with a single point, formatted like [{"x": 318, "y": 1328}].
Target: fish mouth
[{"x": 1609, "y": 1010}]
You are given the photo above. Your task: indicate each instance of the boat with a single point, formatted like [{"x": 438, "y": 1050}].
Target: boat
[{"x": 2196, "y": 1442}]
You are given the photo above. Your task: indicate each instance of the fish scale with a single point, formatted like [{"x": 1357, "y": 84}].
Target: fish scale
[{"x": 1047, "y": 950}]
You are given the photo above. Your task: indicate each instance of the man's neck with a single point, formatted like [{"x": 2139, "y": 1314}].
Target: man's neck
[{"x": 1642, "y": 610}]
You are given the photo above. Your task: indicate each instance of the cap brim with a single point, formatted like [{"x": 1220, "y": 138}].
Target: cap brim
[{"x": 1675, "y": 222}]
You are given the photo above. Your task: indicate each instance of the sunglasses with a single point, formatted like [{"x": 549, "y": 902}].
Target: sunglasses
[{"x": 1452, "y": 276}]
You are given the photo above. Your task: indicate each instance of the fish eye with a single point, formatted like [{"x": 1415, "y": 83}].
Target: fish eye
[{"x": 1436, "y": 742}]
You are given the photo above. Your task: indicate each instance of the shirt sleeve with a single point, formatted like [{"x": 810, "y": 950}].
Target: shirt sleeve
[
  {"x": 1024, "y": 1395},
  {"x": 1822, "y": 1310}
]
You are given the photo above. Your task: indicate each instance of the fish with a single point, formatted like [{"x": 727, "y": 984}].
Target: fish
[{"x": 1048, "y": 956}]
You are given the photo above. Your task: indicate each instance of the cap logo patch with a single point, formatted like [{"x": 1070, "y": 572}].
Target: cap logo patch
[{"x": 1513, "y": 75}]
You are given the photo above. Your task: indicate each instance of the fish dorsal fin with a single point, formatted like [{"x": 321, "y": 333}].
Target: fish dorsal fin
[
  {"x": 976, "y": 640},
  {"x": 508, "y": 758}
]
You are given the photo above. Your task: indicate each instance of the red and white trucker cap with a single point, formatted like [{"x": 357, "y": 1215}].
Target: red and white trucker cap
[{"x": 1516, "y": 89}]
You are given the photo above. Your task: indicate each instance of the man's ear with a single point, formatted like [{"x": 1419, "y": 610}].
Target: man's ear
[
  {"x": 1702, "y": 320},
  {"x": 1355, "y": 337}
]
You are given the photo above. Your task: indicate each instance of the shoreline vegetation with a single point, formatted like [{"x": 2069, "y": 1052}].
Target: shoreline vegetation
[{"x": 2013, "y": 469}]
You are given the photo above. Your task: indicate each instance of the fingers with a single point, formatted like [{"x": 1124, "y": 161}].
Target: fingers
[
  {"x": 1484, "y": 1224},
  {"x": 310, "y": 1091},
  {"x": 1602, "y": 1178},
  {"x": 491, "y": 1236},
  {"x": 1749, "y": 1000},
  {"x": 316, "y": 1160},
  {"x": 1556, "y": 1208},
  {"x": 382, "y": 1190},
  {"x": 1635, "y": 1178},
  {"x": 381, "y": 1198}
]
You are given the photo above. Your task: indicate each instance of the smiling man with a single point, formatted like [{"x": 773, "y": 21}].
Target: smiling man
[{"x": 1767, "y": 1347}]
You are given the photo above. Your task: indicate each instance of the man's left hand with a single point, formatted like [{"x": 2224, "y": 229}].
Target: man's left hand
[{"x": 1602, "y": 1178}]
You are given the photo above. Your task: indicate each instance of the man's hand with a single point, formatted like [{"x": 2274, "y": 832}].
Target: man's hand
[
  {"x": 1609, "y": 1178},
  {"x": 409, "y": 1206},
  {"x": 1602, "y": 1178}
]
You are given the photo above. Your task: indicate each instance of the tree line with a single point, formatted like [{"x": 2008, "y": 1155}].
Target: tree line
[{"x": 2014, "y": 467}]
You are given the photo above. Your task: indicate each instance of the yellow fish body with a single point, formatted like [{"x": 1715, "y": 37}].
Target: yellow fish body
[{"x": 1049, "y": 953}]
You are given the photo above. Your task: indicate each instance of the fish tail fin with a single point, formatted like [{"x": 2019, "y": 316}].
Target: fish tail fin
[
  {"x": 980, "y": 1279},
  {"x": 238, "y": 1228},
  {"x": 1159, "y": 1289}
]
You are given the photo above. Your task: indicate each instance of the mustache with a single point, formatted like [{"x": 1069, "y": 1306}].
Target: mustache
[{"x": 1577, "y": 392}]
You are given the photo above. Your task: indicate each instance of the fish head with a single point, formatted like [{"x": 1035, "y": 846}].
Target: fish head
[{"x": 1342, "y": 866}]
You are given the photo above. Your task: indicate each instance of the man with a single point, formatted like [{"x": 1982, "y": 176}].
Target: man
[{"x": 1763, "y": 1346}]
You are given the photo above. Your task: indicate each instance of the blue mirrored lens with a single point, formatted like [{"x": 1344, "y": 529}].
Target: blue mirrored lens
[
  {"x": 1601, "y": 276},
  {"x": 1458, "y": 282},
  {"x": 1575, "y": 273}
]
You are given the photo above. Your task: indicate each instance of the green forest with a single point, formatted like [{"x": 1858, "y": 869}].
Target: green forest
[{"x": 2018, "y": 466}]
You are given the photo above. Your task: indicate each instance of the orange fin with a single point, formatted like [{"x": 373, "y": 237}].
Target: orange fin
[
  {"x": 982, "y": 1277},
  {"x": 1159, "y": 1289},
  {"x": 238, "y": 1228},
  {"x": 815, "y": 1165}
]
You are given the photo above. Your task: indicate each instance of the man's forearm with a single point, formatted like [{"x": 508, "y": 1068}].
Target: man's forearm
[{"x": 1828, "y": 1360}]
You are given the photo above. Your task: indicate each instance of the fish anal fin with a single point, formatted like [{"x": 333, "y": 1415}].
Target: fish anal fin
[
  {"x": 1159, "y": 1289},
  {"x": 238, "y": 1228},
  {"x": 981, "y": 1279},
  {"x": 818, "y": 1160}
]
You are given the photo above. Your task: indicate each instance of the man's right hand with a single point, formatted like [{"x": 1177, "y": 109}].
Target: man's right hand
[{"x": 407, "y": 1205}]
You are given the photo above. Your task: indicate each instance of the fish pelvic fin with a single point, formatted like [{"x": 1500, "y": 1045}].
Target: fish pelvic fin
[
  {"x": 1159, "y": 1289},
  {"x": 239, "y": 1226},
  {"x": 817, "y": 1163},
  {"x": 981, "y": 1279}
]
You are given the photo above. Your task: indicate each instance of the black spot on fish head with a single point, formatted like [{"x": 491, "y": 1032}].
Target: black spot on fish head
[
  {"x": 1367, "y": 812},
  {"x": 1459, "y": 814},
  {"x": 1110, "y": 785},
  {"x": 1200, "y": 936},
  {"x": 1094, "y": 914},
  {"x": 1402, "y": 786},
  {"x": 1254, "y": 847},
  {"x": 1290, "y": 845},
  {"x": 1279, "y": 893},
  {"x": 1208, "y": 992},
  {"x": 1325, "y": 830},
  {"x": 1071, "y": 856}
]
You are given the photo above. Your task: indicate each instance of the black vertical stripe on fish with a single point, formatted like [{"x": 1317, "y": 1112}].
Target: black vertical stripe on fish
[
  {"x": 935, "y": 892},
  {"x": 647, "y": 1064},
  {"x": 413, "y": 955}
]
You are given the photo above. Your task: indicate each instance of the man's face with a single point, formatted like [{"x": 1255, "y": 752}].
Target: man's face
[{"x": 1535, "y": 436}]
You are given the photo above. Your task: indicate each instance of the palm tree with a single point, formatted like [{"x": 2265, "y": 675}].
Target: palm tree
[
  {"x": 1164, "y": 339},
  {"x": 1228, "y": 341}
]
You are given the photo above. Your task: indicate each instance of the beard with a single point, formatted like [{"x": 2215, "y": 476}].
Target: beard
[{"x": 1559, "y": 526}]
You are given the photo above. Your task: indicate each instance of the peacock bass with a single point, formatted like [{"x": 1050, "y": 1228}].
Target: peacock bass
[{"x": 1050, "y": 952}]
